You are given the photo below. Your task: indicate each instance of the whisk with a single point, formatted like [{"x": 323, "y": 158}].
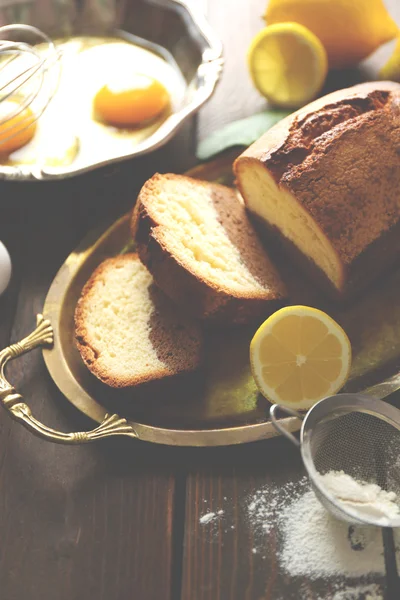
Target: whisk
[{"x": 29, "y": 76}]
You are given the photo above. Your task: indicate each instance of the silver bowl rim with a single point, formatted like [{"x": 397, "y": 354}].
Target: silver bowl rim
[{"x": 210, "y": 69}]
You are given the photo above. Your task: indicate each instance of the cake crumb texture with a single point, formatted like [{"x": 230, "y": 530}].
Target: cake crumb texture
[
  {"x": 127, "y": 331},
  {"x": 197, "y": 241}
]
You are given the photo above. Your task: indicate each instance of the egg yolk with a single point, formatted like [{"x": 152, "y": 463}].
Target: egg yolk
[
  {"x": 15, "y": 132},
  {"x": 146, "y": 99}
]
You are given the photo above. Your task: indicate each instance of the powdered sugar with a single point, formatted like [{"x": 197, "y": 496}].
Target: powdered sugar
[
  {"x": 367, "y": 592},
  {"x": 266, "y": 503},
  {"x": 317, "y": 545},
  {"x": 210, "y": 516},
  {"x": 370, "y": 591},
  {"x": 312, "y": 543},
  {"x": 366, "y": 500},
  {"x": 289, "y": 523},
  {"x": 207, "y": 518}
]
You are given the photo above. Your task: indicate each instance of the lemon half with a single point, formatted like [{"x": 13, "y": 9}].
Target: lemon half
[
  {"x": 288, "y": 64},
  {"x": 299, "y": 356}
]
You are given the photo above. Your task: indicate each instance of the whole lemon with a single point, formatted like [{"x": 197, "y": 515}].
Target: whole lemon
[
  {"x": 391, "y": 70},
  {"x": 350, "y": 30}
]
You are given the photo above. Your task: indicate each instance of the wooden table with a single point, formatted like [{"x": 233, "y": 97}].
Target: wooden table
[{"x": 119, "y": 520}]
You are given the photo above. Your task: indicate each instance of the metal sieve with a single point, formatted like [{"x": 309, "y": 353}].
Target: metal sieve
[{"x": 354, "y": 433}]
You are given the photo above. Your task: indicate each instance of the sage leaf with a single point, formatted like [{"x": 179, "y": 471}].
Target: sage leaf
[{"x": 239, "y": 133}]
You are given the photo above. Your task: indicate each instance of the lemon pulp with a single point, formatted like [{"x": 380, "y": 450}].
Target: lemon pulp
[
  {"x": 288, "y": 64},
  {"x": 299, "y": 356}
]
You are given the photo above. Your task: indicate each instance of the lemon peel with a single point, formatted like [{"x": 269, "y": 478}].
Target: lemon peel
[{"x": 350, "y": 30}]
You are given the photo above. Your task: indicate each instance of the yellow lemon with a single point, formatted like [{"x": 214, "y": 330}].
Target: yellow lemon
[
  {"x": 391, "y": 70},
  {"x": 287, "y": 64},
  {"x": 350, "y": 30},
  {"x": 299, "y": 356}
]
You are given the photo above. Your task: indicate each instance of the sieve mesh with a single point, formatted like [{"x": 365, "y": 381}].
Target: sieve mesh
[{"x": 362, "y": 445}]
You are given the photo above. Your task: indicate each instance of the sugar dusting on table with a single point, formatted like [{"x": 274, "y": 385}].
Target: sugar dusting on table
[
  {"x": 317, "y": 545},
  {"x": 361, "y": 592},
  {"x": 266, "y": 503},
  {"x": 313, "y": 544},
  {"x": 371, "y": 591},
  {"x": 309, "y": 542}
]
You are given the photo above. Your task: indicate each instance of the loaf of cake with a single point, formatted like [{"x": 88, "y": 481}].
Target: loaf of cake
[
  {"x": 128, "y": 332},
  {"x": 198, "y": 243},
  {"x": 326, "y": 182}
]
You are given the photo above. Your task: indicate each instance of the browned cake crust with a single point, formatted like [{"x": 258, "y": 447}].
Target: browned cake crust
[
  {"x": 340, "y": 158},
  {"x": 180, "y": 280},
  {"x": 177, "y": 340}
]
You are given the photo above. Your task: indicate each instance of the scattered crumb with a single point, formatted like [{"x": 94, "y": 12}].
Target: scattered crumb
[
  {"x": 207, "y": 518},
  {"x": 210, "y": 516}
]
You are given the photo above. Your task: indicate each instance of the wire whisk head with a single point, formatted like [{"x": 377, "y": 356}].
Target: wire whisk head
[{"x": 29, "y": 76}]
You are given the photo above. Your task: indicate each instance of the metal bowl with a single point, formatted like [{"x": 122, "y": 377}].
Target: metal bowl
[{"x": 167, "y": 27}]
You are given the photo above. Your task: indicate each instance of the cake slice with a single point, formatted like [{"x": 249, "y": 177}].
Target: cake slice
[
  {"x": 198, "y": 243},
  {"x": 326, "y": 180},
  {"x": 127, "y": 331}
]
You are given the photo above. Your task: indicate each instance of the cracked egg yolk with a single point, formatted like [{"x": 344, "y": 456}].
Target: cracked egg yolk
[
  {"x": 144, "y": 99},
  {"x": 17, "y": 131}
]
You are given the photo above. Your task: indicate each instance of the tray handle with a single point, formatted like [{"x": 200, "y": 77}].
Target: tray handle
[{"x": 19, "y": 411}]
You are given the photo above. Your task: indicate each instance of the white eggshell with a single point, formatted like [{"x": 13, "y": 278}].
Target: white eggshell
[{"x": 5, "y": 268}]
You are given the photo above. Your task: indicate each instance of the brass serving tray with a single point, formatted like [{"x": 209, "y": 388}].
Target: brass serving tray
[{"x": 218, "y": 405}]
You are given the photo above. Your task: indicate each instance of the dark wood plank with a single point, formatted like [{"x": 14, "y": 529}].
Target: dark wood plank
[
  {"x": 76, "y": 522},
  {"x": 218, "y": 561}
]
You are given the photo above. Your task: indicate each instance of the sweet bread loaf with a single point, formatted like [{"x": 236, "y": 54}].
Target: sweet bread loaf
[{"x": 326, "y": 181}]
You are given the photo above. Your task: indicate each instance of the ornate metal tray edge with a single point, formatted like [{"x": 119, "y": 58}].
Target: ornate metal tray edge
[{"x": 54, "y": 333}]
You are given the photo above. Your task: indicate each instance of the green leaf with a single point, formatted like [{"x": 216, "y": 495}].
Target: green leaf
[{"x": 239, "y": 133}]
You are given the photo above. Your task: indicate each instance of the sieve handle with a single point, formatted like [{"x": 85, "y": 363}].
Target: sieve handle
[
  {"x": 385, "y": 388},
  {"x": 276, "y": 423}
]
